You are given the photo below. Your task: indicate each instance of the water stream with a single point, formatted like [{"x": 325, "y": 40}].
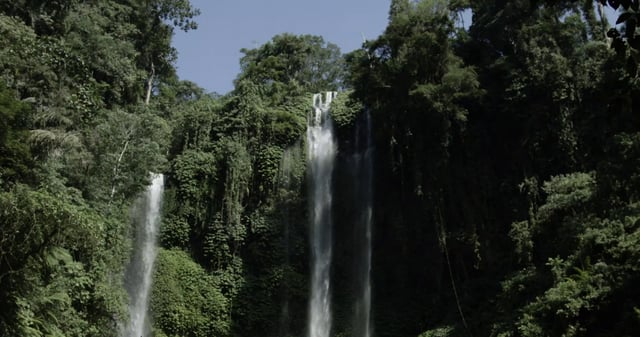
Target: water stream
[
  {"x": 363, "y": 169},
  {"x": 321, "y": 153},
  {"x": 140, "y": 270}
]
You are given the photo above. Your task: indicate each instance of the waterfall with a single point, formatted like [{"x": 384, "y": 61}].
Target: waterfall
[
  {"x": 321, "y": 153},
  {"x": 363, "y": 169},
  {"x": 139, "y": 272}
]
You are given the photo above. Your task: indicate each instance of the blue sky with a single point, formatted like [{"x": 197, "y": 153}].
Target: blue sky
[{"x": 210, "y": 55}]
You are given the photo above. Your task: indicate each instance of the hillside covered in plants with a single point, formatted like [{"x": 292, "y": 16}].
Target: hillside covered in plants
[{"x": 505, "y": 180}]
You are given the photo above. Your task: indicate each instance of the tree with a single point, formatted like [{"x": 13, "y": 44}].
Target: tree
[
  {"x": 152, "y": 18},
  {"x": 16, "y": 160},
  {"x": 56, "y": 265},
  {"x": 305, "y": 60},
  {"x": 186, "y": 300},
  {"x": 419, "y": 93},
  {"x": 625, "y": 41}
]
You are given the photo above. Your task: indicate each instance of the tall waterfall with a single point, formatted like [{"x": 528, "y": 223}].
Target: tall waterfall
[
  {"x": 363, "y": 169},
  {"x": 139, "y": 272},
  {"x": 321, "y": 157}
]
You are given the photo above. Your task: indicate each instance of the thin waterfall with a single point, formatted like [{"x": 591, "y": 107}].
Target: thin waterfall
[
  {"x": 321, "y": 153},
  {"x": 140, "y": 270},
  {"x": 363, "y": 162}
]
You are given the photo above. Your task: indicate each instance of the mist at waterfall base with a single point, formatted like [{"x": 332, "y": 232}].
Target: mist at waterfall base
[
  {"x": 355, "y": 164},
  {"x": 138, "y": 278}
]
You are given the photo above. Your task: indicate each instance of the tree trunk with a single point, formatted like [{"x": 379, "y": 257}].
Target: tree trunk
[
  {"x": 150, "y": 84},
  {"x": 116, "y": 169}
]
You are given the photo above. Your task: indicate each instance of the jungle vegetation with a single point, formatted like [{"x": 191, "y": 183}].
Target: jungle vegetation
[{"x": 507, "y": 171}]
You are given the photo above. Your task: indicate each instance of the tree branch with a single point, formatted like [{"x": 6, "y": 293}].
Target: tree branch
[
  {"x": 150, "y": 84},
  {"x": 116, "y": 170}
]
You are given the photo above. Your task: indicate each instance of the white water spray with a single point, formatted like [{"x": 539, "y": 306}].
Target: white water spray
[
  {"x": 321, "y": 156},
  {"x": 139, "y": 273}
]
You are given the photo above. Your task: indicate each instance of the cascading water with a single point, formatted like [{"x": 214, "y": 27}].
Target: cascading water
[
  {"x": 139, "y": 272},
  {"x": 321, "y": 157},
  {"x": 363, "y": 169}
]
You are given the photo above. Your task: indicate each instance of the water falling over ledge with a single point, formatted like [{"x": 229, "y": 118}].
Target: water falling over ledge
[
  {"x": 140, "y": 270},
  {"x": 321, "y": 152}
]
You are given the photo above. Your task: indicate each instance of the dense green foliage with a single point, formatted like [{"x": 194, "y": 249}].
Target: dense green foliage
[
  {"x": 76, "y": 146},
  {"x": 524, "y": 124},
  {"x": 186, "y": 300},
  {"x": 506, "y": 187},
  {"x": 56, "y": 266},
  {"x": 236, "y": 179}
]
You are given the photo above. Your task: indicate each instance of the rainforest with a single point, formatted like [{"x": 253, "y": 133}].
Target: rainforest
[{"x": 442, "y": 180}]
